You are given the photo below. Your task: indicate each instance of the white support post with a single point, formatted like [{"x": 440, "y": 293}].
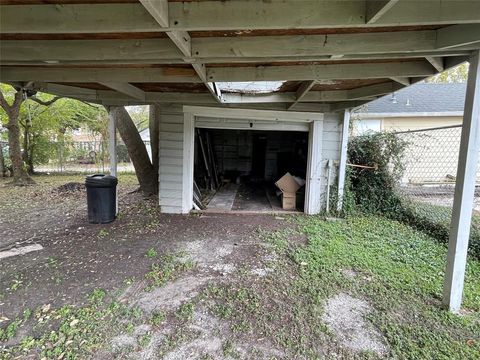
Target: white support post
[
  {"x": 112, "y": 150},
  {"x": 342, "y": 167},
  {"x": 112, "y": 144},
  {"x": 188, "y": 154},
  {"x": 313, "y": 187},
  {"x": 464, "y": 191}
]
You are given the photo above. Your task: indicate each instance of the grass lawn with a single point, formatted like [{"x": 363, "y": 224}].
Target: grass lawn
[
  {"x": 397, "y": 270},
  {"x": 258, "y": 287}
]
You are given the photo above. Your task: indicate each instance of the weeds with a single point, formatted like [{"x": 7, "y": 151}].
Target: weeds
[
  {"x": 165, "y": 270},
  {"x": 103, "y": 233},
  {"x": 185, "y": 311},
  {"x": 151, "y": 253}
]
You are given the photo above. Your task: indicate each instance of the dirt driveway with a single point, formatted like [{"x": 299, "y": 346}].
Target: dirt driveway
[
  {"x": 216, "y": 286},
  {"x": 128, "y": 259}
]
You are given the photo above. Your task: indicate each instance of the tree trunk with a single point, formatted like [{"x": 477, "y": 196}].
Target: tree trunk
[
  {"x": 154, "y": 128},
  {"x": 2, "y": 161},
  {"x": 27, "y": 155},
  {"x": 136, "y": 150},
  {"x": 20, "y": 176}
]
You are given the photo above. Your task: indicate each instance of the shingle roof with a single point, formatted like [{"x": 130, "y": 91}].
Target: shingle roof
[{"x": 424, "y": 97}]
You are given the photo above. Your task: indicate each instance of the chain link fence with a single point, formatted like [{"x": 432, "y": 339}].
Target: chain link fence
[
  {"x": 78, "y": 157},
  {"x": 431, "y": 160}
]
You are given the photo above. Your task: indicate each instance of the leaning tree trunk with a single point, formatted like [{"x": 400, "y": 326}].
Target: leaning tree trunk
[
  {"x": 136, "y": 150},
  {"x": 154, "y": 128}
]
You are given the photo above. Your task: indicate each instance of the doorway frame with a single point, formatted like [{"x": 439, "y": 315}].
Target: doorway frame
[{"x": 247, "y": 119}]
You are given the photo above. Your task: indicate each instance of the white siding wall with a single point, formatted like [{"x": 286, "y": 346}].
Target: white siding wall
[
  {"x": 332, "y": 141},
  {"x": 171, "y": 170},
  {"x": 171, "y": 157}
]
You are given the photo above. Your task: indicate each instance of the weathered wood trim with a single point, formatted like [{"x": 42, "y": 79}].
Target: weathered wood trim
[
  {"x": 313, "y": 186},
  {"x": 188, "y": 159}
]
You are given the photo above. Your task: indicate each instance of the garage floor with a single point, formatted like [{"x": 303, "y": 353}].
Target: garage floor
[{"x": 249, "y": 196}]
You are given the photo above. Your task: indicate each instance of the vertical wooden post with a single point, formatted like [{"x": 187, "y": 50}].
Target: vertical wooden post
[
  {"x": 112, "y": 150},
  {"x": 342, "y": 168},
  {"x": 112, "y": 144},
  {"x": 313, "y": 187},
  {"x": 464, "y": 191},
  {"x": 188, "y": 154}
]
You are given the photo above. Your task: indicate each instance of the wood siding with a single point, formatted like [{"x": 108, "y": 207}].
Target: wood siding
[
  {"x": 171, "y": 153},
  {"x": 171, "y": 157},
  {"x": 332, "y": 142}
]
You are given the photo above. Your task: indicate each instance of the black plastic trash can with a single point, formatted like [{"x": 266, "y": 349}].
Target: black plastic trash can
[{"x": 101, "y": 198}]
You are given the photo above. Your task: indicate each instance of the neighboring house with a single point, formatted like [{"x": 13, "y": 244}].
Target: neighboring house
[
  {"x": 145, "y": 135},
  {"x": 427, "y": 116},
  {"x": 419, "y": 106}
]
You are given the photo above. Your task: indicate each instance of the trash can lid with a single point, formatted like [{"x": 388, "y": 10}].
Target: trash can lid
[{"x": 101, "y": 180}]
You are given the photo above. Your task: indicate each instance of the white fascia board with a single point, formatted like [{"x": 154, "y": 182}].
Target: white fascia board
[
  {"x": 252, "y": 114},
  {"x": 408, "y": 114}
]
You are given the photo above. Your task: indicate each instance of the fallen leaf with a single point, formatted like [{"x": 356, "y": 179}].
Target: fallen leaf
[{"x": 74, "y": 322}]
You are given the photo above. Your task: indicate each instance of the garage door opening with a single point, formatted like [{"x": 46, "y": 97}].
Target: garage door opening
[{"x": 236, "y": 170}]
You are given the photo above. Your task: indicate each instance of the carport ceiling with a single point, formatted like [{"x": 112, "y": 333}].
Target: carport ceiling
[{"x": 329, "y": 54}]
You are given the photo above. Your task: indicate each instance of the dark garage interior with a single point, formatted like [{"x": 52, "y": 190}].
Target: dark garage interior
[{"x": 236, "y": 170}]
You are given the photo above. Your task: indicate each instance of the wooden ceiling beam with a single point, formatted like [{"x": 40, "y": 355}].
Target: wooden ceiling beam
[
  {"x": 14, "y": 60},
  {"x": 248, "y": 48},
  {"x": 321, "y": 72},
  {"x": 230, "y": 15},
  {"x": 458, "y": 35},
  {"x": 99, "y": 75}
]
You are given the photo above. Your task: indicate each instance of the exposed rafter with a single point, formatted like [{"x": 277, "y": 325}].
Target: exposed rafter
[
  {"x": 121, "y": 94},
  {"x": 127, "y": 89},
  {"x": 401, "y": 80},
  {"x": 302, "y": 91},
  {"x": 437, "y": 62},
  {"x": 376, "y": 9},
  {"x": 159, "y": 10}
]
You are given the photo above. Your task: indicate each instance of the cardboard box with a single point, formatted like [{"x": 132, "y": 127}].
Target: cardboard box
[
  {"x": 289, "y": 201},
  {"x": 289, "y": 185}
]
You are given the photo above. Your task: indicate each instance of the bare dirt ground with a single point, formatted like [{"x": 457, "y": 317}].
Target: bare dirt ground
[{"x": 181, "y": 287}]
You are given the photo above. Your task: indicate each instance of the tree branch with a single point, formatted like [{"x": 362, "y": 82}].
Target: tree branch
[
  {"x": 18, "y": 100},
  {"x": 3, "y": 103},
  {"x": 46, "y": 103},
  {"x": 87, "y": 103}
]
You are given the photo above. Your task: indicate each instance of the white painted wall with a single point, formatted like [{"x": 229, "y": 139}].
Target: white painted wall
[
  {"x": 173, "y": 198},
  {"x": 331, "y": 148},
  {"x": 171, "y": 157}
]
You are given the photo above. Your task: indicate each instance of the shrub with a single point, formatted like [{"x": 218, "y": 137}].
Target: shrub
[{"x": 374, "y": 191}]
